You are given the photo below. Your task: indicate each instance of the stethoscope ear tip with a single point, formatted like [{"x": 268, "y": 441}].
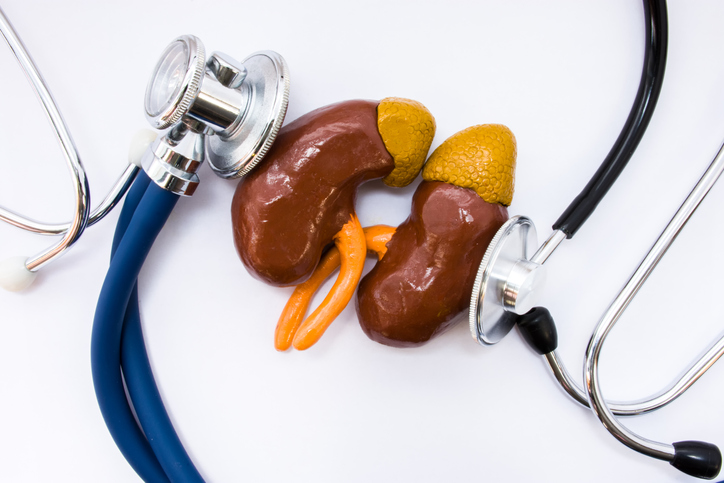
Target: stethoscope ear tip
[
  {"x": 14, "y": 275},
  {"x": 697, "y": 458}
]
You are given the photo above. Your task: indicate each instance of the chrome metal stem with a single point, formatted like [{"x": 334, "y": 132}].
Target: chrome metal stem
[
  {"x": 114, "y": 196},
  {"x": 78, "y": 178},
  {"x": 548, "y": 247},
  {"x": 642, "y": 406},
  {"x": 111, "y": 200},
  {"x": 616, "y": 309},
  {"x": 217, "y": 106}
]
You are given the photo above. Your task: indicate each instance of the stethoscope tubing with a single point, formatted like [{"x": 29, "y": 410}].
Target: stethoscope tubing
[
  {"x": 117, "y": 347},
  {"x": 657, "y": 33},
  {"x": 140, "y": 382},
  {"x": 106, "y": 356}
]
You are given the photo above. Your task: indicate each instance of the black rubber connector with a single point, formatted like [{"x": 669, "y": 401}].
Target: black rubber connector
[
  {"x": 539, "y": 330},
  {"x": 697, "y": 458}
]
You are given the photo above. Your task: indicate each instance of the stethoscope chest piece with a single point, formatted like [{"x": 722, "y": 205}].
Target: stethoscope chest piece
[
  {"x": 506, "y": 281},
  {"x": 267, "y": 84},
  {"x": 217, "y": 108}
]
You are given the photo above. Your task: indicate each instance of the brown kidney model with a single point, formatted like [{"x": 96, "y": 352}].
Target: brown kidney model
[
  {"x": 287, "y": 211},
  {"x": 424, "y": 281}
]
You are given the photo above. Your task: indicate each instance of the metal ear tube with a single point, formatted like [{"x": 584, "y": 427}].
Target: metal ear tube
[
  {"x": 694, "y": 458},
  {"x": 17, "y": 274}
]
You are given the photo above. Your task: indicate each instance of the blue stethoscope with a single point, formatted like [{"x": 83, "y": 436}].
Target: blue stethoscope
[
  {"x": 216, "y": 109},
  {"x": 238, "y": 138}
]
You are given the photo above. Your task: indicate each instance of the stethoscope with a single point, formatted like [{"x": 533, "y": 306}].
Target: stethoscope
[
  {"x": 230, "y": 112},
  {"x": 512, "y": 272},
  {"x": 241, "y": 110}
]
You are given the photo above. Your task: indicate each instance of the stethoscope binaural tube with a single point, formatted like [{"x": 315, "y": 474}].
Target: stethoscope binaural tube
[
  {"x": 695, "y": 458},
  {"x": 18, "y": 273}
]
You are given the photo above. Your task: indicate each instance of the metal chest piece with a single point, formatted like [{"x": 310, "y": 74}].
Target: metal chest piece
[
  {"x": 217, "y": 108},
  {"x": 506, "y": 281}
]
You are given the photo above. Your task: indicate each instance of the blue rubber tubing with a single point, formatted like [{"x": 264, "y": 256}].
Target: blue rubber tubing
[
  {"x": 133, "y": 198},
  {"x": 145, "y": 211},
  {"x": 148, "y": 403},
  {"x": 106, "y": 342},
  {"x": 138, "y": 375}
]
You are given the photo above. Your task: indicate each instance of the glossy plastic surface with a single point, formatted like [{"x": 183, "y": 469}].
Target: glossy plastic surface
[
  {"x": 152, "y": 448},
  {"x": 652, "y": 78},
  {"x": 539, "y": 330},
  {"x": 697, "y": 458}
]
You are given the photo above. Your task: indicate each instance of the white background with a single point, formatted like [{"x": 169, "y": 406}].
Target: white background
[{"x": 561, "y": 74}]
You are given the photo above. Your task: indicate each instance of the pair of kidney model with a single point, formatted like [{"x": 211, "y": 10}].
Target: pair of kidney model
[{"x": 294, "y": 221}]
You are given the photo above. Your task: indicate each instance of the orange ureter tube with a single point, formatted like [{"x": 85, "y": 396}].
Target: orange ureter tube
[{"x": 347, "y": 241}]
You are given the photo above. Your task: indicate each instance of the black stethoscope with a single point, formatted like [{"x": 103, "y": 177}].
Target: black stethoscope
[
  {"x": 230, "y": 112},
  {"x": 512, "y": 271}
]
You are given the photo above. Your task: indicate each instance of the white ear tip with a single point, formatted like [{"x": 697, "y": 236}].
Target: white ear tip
[
  {"x": 14, "y": 276},
  {"x": 139, "y": 143}
]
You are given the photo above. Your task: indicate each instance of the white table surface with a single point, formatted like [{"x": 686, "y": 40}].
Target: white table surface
[{"x": 561, "y": 74}]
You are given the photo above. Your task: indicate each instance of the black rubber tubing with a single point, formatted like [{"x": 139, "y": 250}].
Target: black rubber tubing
[{"x": 652, "y": 78}]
